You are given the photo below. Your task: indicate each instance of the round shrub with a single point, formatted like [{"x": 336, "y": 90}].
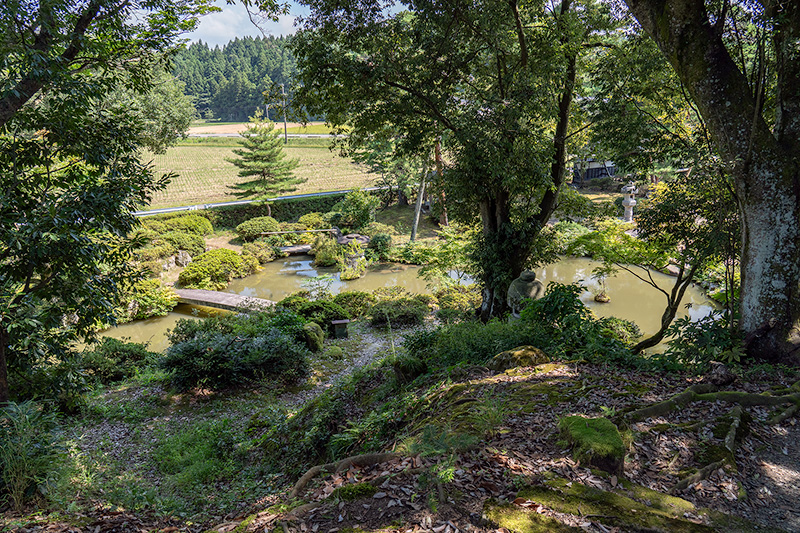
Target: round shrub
[
  {"x": 294, "y": 302},
  {"x": 291, "y": 239},
  {"x": 357, "y": 209},
  {"x": 357, "y": 303},
  {"x": 254, "y": 227},
  {"x": 145, "y": 299},
  {"x": 194, "y": 244},
  {"x": 155, "y": 226},
  {"x": 323, "y": 312},
  {"x": 380, "y": 245},
  {"x": 312, "y": 220},
  {"x": 114, "y": 360},
  {"x": 325, "y": 251},
  {"x": 462, "y": 298},
  {"x": 219, "y": 360},
  {"x": 399, "y": 312},
  {"x": 261, "y": 250},
  {"x": 189, "y": 224},
  {"x": 214, "y": 269}
]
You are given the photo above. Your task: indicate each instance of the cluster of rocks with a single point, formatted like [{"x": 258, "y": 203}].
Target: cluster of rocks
[{"x": 181, "y": 259}]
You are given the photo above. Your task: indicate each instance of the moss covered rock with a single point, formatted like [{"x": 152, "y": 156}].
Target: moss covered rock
[
  {"x": 521, "y": 356},
  {"x": 315, "y": 337},
  {"x": 595, "y": 441}
]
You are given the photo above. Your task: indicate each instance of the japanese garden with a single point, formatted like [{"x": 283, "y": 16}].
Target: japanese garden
[{"x": 410, "y": 266}]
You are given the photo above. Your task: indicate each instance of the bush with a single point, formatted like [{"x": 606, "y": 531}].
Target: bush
[
  {"x": 312, "y": 220},
  {"x": 253, "y": 228},
  {"x": 190, "y": 242},
  {"x": 295, "y": 301},
  {"x": 399, "y": 312},
  {"x": 114, "y": 360},
  {"x": 261, "y": 250},
  {"x": 697, "y": 343},
  {"x": 461, "y": 298},
  {"x": 292, "y": 239},
  {"x": 322, "y": 312},
  {"x": 214, "y": 269},
  {"x": 374, "y": 228},
  {"x": 217, "y": 360},
  {"x": 357, "y": 209},
  {"x": 29, "y": 452},
  {"x": 356, "y": 303},
  {"x": 379, "y": 246},
  {"x": 154, "y": 252},
  {"x": 564, "y": 233},
  {"x": 325, "y": 251},
  {"x": 414, "y": 253},
  {"x": 195, "y": 224},
  {"x": 154, "y": 226}
]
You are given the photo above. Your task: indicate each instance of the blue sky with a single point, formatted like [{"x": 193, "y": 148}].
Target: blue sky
[{"x": 219, "y": 28}]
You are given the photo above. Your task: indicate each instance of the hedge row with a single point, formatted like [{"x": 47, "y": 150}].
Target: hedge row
[{"x": 229, "y": 217}]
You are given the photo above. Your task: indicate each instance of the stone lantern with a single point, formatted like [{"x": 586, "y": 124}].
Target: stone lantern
[{"x": 628, "y": 200}]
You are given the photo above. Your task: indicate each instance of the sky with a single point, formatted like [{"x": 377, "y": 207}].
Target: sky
[{"x": 219, "y": 28}]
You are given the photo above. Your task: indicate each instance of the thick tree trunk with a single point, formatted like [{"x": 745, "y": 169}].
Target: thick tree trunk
[{"x": 764, "y": 162}]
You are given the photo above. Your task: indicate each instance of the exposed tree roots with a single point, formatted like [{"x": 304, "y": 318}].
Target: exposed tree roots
[
  {"x": 696, "y": 477},
  {"x": 340, "y": 466},
  {"x": 710, "y": 393}
]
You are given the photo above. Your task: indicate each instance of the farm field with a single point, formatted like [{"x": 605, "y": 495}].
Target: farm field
[{"x": 203, "y": 175}]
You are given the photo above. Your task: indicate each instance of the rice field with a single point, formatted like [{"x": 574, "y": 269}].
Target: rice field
[{"x": 203, "y": 175}]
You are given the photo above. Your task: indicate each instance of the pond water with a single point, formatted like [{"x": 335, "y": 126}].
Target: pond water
[{"x": 631, "y": 299}]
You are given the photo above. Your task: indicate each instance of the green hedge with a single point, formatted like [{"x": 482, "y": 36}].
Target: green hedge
[
  {"x": 199, "y": 225},
  {"x": 192, "y": 243},
  {"x": 214, "y": 269},
  {"x": 253, "y": 228}
]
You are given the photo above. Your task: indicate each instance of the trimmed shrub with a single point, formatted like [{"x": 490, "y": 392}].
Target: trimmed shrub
[
  {"x": 357, "y": 209},
  {"x": 154, "y": 252},
  {"x": 189, "y": 224},
  {"x": 323, "y": 312},
  {"x": 155, "y": 226},
  {"x": 253, "y": 228},
  {"x": 291, "y": 239},
  {"x": 399, "y": 312},
  {"x": 214, "y": 269},
  {"x": 356, "y": 303},
  {"x": 325, "y": 250},
  {"x": 295, "y": 301},
  {"x": 312, "y": 220},
  {"x": 457, "y": 302},
  {"x": 145, "y": 299},
  {"x": 114, "y": 360},
  {"x": 379, "y": 246},
  {"x": 261, "y": 250},
  {"x": 194, "y": 244},
  {"x": 209, "y": 356}
]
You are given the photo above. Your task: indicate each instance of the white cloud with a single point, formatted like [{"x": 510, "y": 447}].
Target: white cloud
[{"x": 224, "y": 26}]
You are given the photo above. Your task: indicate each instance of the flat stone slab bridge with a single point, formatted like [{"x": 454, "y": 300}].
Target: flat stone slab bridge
[{"x": 222, "y": 300}]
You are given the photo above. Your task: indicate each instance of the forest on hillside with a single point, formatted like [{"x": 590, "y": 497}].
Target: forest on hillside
[{"x": 228, "y": 82}]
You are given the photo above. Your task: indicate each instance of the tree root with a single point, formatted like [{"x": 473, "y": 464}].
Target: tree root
[
  {"x": 340, "y": 466},
  {"x": 697, "y": 476},
  {"x": 730, "y": 438},
  {"x": 706, "y": 392},
  {"x": 787, "y": 413}
]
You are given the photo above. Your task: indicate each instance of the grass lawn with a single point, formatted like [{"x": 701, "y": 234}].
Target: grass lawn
[{"x": 203, "y": 175}]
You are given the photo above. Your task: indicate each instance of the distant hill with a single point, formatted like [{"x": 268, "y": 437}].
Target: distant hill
[{"x": 228, "y": 82}]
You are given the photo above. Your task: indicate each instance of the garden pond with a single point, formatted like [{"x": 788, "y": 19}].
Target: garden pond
[{"x": 631, "y": 299}]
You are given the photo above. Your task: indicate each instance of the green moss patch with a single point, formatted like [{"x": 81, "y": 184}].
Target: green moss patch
[
  {"x": 516, "y": 519},
  {"x": 595, "y": 441},
  {"x": 354, "y": 491}
]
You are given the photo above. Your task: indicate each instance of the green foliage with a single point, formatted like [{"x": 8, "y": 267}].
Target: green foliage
[
  {"x": 318, "y": 287},
  {"x": 696, "y": 343},
  {"x": 457, "y": 302},
  {"x": 350, "y": 269},
  {"x": 563, "y": 234},
  {"x": 413, "y": 253},
  {"x": 447, "y": 262},
  {"x": 322, "y": 312},
  {"x": 356, "y": 303},
  {"x": 214, "y": 269},
  {"x": 325, "y": 250},
  {"x": 30, "y": 452},
  {"x": 354, "y": 491},
  {"x": 253, "y": 228},
  {"x": 198, "y": 455},
  {"x": 407, "y": 368},
  {"x": 196, "y": 224},
  {"x": 61, "y": 381},
  {"x": 154, "y": 253},
  {"x": 357, "y": 209},
  {"x": 399, "y": 312},
  {"x": 374, "y": 228},
  {"x": 221, "y": 353},
  {"x": 263, "y": 160},
  {"x": 379, "y": 246},
  {"x": 190, "y": 242},
  {"x": 114, "y": 360},
  {"x": 312, "y": 221},
  {"x": 262, "y": 251}
]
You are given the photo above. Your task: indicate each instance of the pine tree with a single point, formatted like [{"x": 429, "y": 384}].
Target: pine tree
[{"x": 262, "y": 158}]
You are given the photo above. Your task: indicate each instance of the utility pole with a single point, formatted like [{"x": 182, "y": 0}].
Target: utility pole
[{"x": 285, "y": 128}]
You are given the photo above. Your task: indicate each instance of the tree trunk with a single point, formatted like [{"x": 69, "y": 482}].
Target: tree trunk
[
  {"x": 269, "y": 209},
  {"x": 673, "y": 304},
  {"x": 4, "y": 393},
  {"x": 764, "y": 161},
  {"x": 437, "y": 152}
]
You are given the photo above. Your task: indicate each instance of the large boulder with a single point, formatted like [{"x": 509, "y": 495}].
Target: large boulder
[
  {"x": 182, "y": 258},
  {"x": 524, "y": 287},
  {"x": 521, "y": 356}
]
